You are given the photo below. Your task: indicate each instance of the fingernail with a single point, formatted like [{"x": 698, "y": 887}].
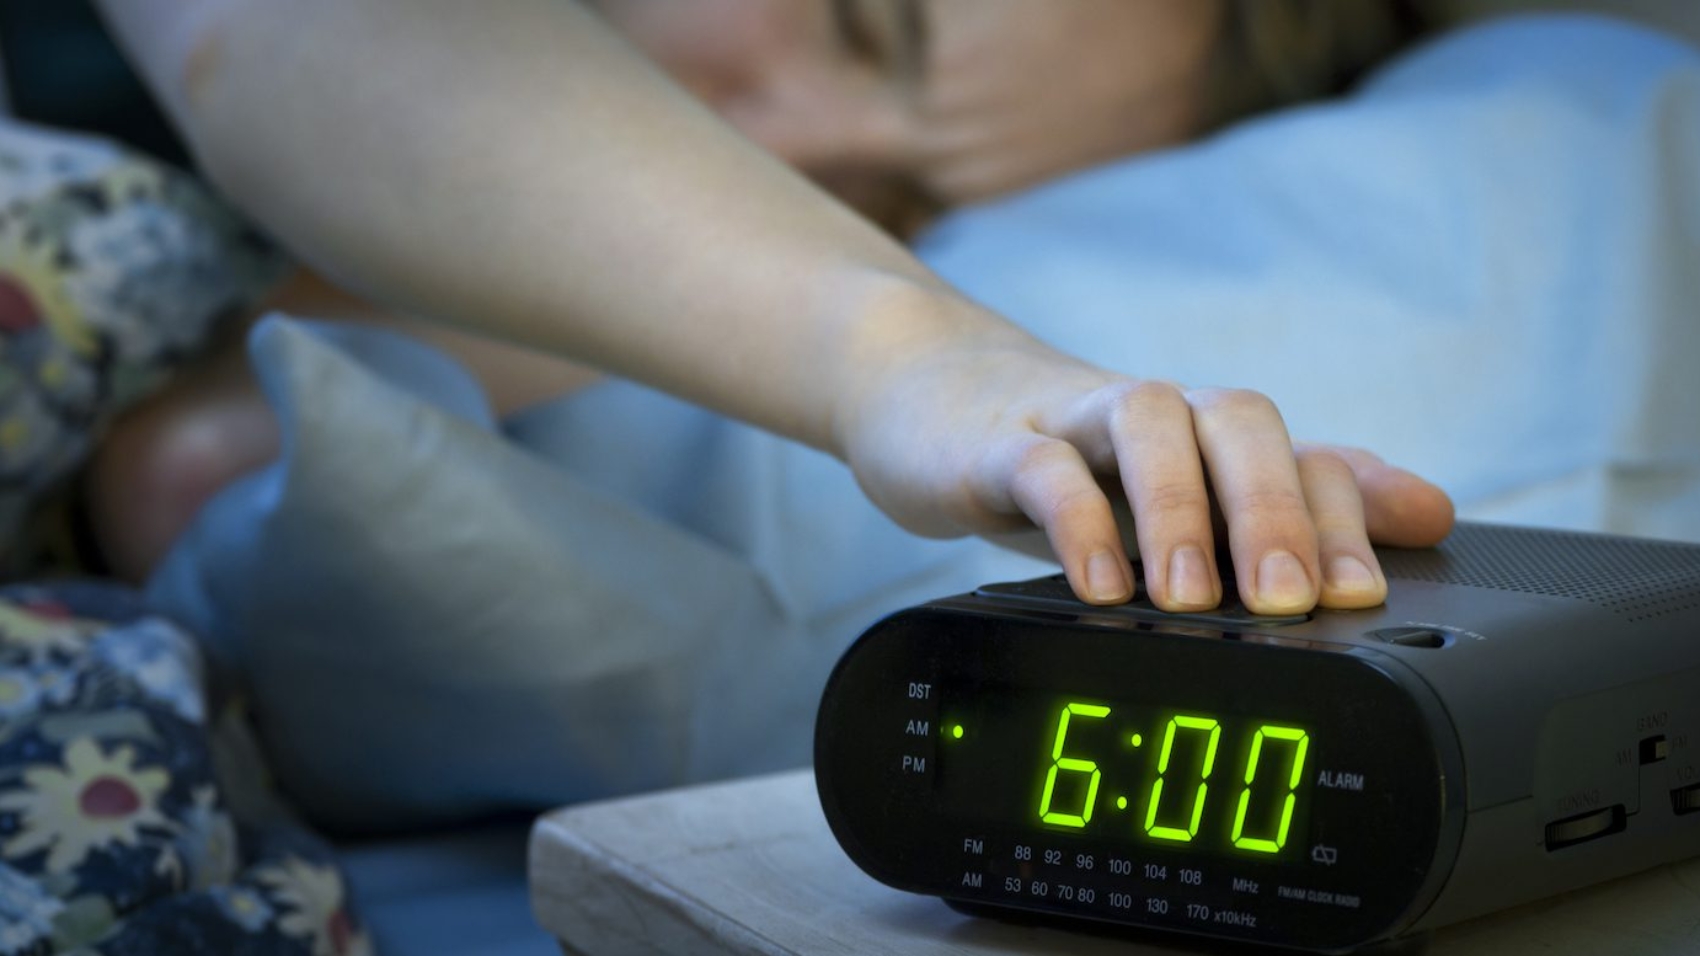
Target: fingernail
[
  {"x": 1189, "y": 578},
  {"x": 1346, "y": 573},
  {"x": 1105, "y": 580},
  {"x": 1282, "y": 582}
]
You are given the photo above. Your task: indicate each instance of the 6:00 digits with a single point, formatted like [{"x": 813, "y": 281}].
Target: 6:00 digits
[{"x": 1273, "y": 835}]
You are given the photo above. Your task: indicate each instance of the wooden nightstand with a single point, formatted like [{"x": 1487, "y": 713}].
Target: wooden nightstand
[{"x": 750, "y": 867}]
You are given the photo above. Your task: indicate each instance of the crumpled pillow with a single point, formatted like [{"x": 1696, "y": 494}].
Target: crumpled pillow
[{"x": 434, "y": 622}]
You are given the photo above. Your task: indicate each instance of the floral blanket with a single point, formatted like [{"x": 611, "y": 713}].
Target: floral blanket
[
  {"x": 115, "y": 835},
  {"x": 114, "y": 270}
]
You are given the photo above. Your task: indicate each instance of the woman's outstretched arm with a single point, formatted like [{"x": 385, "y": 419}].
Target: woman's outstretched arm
[{"x": 516, "y": 169}]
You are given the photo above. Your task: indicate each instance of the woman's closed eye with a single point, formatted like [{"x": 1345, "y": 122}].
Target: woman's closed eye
[{"x": 889, "y": 35}]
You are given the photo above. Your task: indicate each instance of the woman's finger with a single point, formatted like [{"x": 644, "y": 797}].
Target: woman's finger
[
  {"x": 1157, "y": 452},
  {"x": 1052, "y": 485},
  {"x": 1351, "y": 576},
  {"x": 1400, "y": 509},
  {"x": 1251, "y": 465}
]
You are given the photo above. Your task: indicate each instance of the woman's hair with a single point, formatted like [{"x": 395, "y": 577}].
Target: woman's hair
[{"x": 1272, "y": 53}]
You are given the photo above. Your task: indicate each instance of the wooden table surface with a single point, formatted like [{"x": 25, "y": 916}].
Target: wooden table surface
[{"x": 750, "y": 867}]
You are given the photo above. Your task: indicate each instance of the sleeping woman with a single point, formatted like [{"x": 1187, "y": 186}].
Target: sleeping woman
[{"x": 547, "y": 202}]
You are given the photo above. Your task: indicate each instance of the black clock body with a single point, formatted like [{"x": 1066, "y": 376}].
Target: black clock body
[{"x": 1521, "y": 717}]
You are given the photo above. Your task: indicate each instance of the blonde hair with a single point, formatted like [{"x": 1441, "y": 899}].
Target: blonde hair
[{"x": 1273, "y": 53}]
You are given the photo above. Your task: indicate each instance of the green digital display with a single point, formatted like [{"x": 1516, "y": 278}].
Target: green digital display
[
  {"x": 1167, "y": 776},
  {"x": 1062, "y": 764}
]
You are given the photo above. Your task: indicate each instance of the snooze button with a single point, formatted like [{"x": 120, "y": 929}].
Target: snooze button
[
  {"x": 1055, "y": 591},
  {"x": 1411, "y": 636},
  {"x": 1229, "y": 615}
]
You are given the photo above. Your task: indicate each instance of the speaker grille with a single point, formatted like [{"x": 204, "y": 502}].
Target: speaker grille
[{"x": 1639, "y": 580}]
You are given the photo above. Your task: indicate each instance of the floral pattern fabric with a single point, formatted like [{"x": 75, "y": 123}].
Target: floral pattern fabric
[
  {"x": 115, "y": 838},
  {"x": 114, "y": 269}
]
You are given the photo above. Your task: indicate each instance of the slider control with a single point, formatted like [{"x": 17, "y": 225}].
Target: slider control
[
  {"x": 1686, "y": 800},
  {"x": 1585, "y": 826},
  {"x": 1654, "y": 749}
]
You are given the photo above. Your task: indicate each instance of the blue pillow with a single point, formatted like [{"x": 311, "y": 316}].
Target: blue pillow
[{"x": 1481, "y": 265}]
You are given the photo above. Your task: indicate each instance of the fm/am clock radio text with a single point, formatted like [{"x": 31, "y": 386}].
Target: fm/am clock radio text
[{"x": 1302, "y": 895}]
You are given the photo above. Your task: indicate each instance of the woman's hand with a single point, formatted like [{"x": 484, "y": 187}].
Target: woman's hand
[{"x": 996, "y": 433}]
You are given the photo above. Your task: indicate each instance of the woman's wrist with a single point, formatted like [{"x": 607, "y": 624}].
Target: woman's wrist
[{"x": 892, "y": 324}]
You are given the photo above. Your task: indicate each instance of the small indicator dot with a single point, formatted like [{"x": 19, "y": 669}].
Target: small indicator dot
[
  {"x": 1137, "y": 740},
  {"x": 1121, "y": 803},
  {"x": 956, "y": 731}
]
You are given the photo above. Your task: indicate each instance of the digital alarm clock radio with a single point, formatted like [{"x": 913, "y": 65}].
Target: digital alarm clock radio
[{"x": 1522, "y": 717}]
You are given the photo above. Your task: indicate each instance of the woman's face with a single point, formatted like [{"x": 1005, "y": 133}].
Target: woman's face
[{"x": 896, "y": 104}]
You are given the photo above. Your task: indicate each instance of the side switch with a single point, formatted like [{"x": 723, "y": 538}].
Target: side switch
[
  {"x": 1585, "y": 826},
  {"x": 1654, "y": 749},
  {"x": 1686, "y": 800}
]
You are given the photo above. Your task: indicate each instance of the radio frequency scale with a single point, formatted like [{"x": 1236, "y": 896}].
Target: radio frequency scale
[{"x": 1522, "y": 717}]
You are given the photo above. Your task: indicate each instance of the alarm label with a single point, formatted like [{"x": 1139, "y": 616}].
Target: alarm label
[{"x": 1339, "y": 780}]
